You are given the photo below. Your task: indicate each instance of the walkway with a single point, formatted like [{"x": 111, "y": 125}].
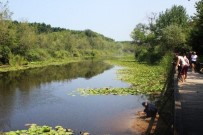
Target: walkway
[{"x": 189, "y": 105}]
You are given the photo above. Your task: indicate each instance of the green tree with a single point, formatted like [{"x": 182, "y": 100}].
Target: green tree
[
  {"x": 91, "y": 37},
  {"x": 173, "y": 38},
  {"x": 6, "y": 34},
  {"x": 139, "y": 34},
  {"x": 175, "y": 16},
  {"x": 197, "y": 32},
  {"x": 4, "y": 54},
  {"x": 165, "y": 33},
  {"x": 172, "y": 28},
  {"x": 26, "y": 38}
]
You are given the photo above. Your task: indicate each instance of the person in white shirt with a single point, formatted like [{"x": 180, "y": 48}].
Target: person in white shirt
[
  {"x": 193, "y": 61},
  {"x": 184, "y": 66}
]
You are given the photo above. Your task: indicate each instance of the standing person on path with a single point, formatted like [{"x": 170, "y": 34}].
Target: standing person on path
[
  {"x": 177, "y": 65},
  {"x": 193, "y": 61},
  {"x": 187, "y": 65},
  {"x": 189, "y": 57},
  {"x": 183, "y": 64}
]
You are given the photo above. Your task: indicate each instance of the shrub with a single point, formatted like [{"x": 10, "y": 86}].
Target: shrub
[
  {"x": 17, "y": 60},
  {"x": 61, "y": 54},
  {"x": 4, "y": 54},
  {"x": 37, "y": 55}
]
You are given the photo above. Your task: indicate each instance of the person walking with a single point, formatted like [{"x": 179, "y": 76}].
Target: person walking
[{"x": 194, "y": 61}]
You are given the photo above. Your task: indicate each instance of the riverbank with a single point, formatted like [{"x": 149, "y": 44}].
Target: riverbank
[
  {"x": 6, "y": 68},
  {"x": 143, "y": 126}
]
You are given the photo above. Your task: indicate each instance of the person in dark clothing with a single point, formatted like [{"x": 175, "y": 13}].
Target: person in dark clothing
[{"x": 150, "y": 109}]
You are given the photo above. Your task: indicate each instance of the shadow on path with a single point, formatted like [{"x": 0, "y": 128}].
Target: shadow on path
[{"x": 189, "y": 106}]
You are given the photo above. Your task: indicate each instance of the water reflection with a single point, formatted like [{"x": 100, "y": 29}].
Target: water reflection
[
  {"x": 27, "y": 79},
  {"x": 40, "y": 96}
]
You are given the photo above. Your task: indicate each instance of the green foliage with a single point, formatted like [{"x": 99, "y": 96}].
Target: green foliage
[
  {"x": 127, "y": 49},
  {"x": 4, "y": 54},
  {"x": 61, "y": 54},
  {"x": 139, "y": 34},
  {"x": 172, "y": 29},
  {"x": 110, "y": 91},
  {"x": 141, "y": 53},
  {"x": 42, "y": 130},
  {"x": 44, "y": 28},
  {"x": 166, "y": 62},
  {"x": 144, "y": 79},
  {"x": 7, "y": 35},
  {"x": 41, "y": 42},
  {"x": 173, "y": 16},
  {"x": 197, "y": 32},
  {"x": 172, "y": 38},
  {"x": 151, "y": 55},
  {"x": 16, "y": 60},
  {"x": 25, "y": 37},
  {"x": 165, "y": 34},
  {"x": 89, "y": 33},
  {"x": 75, "y": 53},
  {"x": 120, "y": 91},
  {"x": 154, "y": 57}
]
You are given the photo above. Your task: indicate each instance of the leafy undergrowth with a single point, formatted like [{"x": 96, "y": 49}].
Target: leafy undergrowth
[{"x": 42, "y": 130}]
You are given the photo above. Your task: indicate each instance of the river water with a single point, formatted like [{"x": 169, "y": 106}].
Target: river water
[{"x": 43, "y": 96}]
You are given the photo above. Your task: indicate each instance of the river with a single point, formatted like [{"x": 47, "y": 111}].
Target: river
[{"x": 43, "y": 96}]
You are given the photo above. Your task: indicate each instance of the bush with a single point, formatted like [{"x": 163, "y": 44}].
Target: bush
[
  {"x": 37, "y": 55},
  {"x": 166, "y": 61},
  {"x": 75, "y": 53},
  {"x": 148, "y": 54},
  {"x": 141, "y": 54},
  {"x": 17, "y": 60},
  {"x": 61, "y": 54},
  {"x": 4, "y": 54}
]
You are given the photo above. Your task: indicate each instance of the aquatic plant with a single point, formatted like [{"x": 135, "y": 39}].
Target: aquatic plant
[
  {"x": 144, "y": 79},
  {"x": 34, "y": 129}
]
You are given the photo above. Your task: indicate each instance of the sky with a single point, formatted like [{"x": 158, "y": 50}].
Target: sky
[{"x": 115, "y": 19}]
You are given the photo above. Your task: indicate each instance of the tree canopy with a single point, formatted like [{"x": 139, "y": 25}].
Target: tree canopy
[{"x": 196, "y": 39}]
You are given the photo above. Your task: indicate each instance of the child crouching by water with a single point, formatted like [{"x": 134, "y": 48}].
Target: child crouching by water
[{"x": 150, "y": 110}]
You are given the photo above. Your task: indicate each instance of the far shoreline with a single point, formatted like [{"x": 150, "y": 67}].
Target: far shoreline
[{"x": 8, "y": 68}]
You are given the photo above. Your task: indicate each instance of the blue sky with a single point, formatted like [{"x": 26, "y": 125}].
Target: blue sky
[{"x": 112, "y": 18}]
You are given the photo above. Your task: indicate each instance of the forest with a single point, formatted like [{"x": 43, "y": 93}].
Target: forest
[{"x": 167, "y": 32}]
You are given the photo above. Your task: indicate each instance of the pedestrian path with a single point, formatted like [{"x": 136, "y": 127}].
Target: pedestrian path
[{"x": 188, "y": 113}]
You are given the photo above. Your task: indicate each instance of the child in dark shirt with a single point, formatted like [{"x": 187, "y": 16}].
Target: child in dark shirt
[{"x": 150, "y": 109}]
